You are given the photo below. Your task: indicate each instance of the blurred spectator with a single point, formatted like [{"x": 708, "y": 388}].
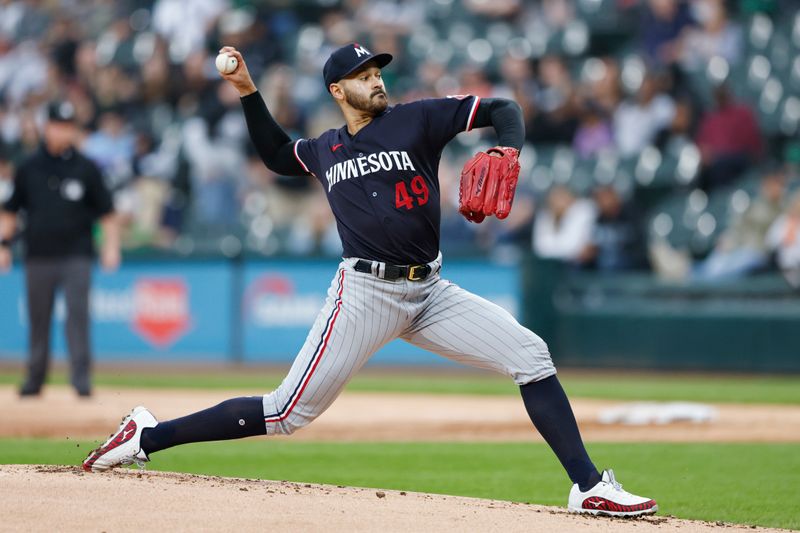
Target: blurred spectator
[
  {"x": 276, "y": 85},
  {"x": 554, "y": 119},
  {"x": 186, "y": 29},
  {"x": 20, "y": 133},
  {"x": 113, "y": 88},
  {"x": 176, "y": 205},
  {"x": 10, "y": 16},
  {"x": 563, "y": 228},
  {"x": 518, "y": 84},
  {"x": 30, "y": 20},
  {"x": 684, "y": 121},
  {"x": 63, "y": 39},
  {"x": 199, "y": 90},
  {"x": 243, "y": 29},
  {"x": 472, "y": 80},
  {"x": 716, "y": 36},
  {"x": 339, "y": 28},
  {"x": 783, "y": 238},
  {"x": 392, "y": 43},
  {"x": 662, "y": 25},
  {"x": 116, "y": 45},
  {"x": 639, "y": 120},
  {"x": 111, "y": 147},
  {"x": 430, "y": 76},
  {"x": 728, "y": 138},
  {"x": 142, "y": 202},
  {"x": 603, "y": 86},
  {"x": 743, "y": 249},
  {"x": 23, "y": 71},
  {"x": 616, "y": 242},
  {"x": 594, "y": 131},
  {"x": 315, "y": 233},
  {"x": 215, "y": 157}
]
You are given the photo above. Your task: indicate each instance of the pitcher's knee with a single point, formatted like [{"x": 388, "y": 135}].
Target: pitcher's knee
[
  {"x": 296, "y": 419},
  {"x": 284, "y": 418},
  {"x": 525, "y": 377},
  {"x": 535, "y": 363}
]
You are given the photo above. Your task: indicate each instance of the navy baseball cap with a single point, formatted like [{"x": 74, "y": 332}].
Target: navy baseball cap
[
  {"x": 347, "y": 60},
  {"x": 60, "y": 112}
]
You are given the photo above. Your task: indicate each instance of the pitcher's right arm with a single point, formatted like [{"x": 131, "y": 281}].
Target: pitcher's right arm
[{"x": 273, "y": 145}]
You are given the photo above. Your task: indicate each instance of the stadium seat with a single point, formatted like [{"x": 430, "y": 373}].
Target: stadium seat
[
  {"x": 758, "y": 73},
  {"x": 790, "y": 116},
  {"x": 794, "y": 75},
  {"x": 541, "y": 175},
  {"x": 780, "y": 52},
  {"x": 759, "y": 32},
  {"x": 563, "y": 164},
  {"x": 769, "y": 106}
]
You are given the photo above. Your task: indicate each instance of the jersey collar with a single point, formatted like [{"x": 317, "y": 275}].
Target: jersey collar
[{"x": 344, "y": 134}]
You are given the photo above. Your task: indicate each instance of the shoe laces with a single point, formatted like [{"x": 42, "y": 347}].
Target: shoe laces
[{"x": 613, "y": 481}]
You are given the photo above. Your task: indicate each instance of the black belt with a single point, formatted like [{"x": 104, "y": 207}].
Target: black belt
[{"x": 394, "y": 272}]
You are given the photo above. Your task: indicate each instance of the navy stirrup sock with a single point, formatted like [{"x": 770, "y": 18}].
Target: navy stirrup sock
[
  {"x": 550, "y": 412},
  {"x": 232, "y": 419}
]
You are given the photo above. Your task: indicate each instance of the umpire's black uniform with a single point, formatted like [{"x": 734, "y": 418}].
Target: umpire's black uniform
[{"x": 61, "y": 195}]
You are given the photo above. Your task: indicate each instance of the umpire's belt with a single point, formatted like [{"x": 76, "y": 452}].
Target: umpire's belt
[{"x": 393, "y": 272}]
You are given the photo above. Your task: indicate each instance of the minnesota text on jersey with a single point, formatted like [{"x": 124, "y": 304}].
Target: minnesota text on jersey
[{"x": 361, "y": 166}]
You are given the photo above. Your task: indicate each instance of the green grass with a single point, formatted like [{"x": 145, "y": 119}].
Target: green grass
[
  {"x": 601, "y": 384},
  {"x": 742, "y": 483}
]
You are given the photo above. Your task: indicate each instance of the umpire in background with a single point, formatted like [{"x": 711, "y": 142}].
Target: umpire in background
[{"x": 61, "y": 193}]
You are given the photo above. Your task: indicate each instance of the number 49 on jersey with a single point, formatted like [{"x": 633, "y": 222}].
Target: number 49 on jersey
[{"x": 419, "y": 190}]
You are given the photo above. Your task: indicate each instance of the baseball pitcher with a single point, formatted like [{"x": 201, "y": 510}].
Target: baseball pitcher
[{"x": 379, "y": 172}]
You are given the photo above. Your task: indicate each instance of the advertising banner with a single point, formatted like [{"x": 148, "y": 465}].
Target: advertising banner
[
  {"x": 282, "y": 299},
  {"x": 144, "y": 311},
  {"x": 186, "y": 311}
]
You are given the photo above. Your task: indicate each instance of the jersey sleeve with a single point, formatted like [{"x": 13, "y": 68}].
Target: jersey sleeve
[
  {"x": 305, "y": 151},
  {"x": 16, "y": 201},
  {"x": 447, "y": 117}
]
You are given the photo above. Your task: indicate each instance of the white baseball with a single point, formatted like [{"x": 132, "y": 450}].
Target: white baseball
[{"x": 226, "y": 64}]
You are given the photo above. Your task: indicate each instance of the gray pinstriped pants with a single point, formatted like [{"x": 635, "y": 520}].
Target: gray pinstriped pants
[{"x": 363, "y": 312}]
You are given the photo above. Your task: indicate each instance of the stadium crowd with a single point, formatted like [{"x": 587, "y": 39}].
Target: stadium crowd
[{"x": 605, "y": 78}]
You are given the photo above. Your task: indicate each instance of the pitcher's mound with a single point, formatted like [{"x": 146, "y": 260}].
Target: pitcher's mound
[{"x": 62, "y": 498}]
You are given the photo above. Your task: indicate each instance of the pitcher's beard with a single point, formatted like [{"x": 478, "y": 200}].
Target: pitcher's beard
[{"x": 374, "y": 105}]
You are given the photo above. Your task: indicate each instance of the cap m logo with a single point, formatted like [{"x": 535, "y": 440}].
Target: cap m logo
[{"x": 360, "y": 50}]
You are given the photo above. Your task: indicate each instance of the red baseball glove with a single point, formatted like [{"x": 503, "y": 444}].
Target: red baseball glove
[{"x": 488, "y": 183}]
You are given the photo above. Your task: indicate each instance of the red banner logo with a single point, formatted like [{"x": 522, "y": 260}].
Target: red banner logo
[{"x": 161, "y": 310}]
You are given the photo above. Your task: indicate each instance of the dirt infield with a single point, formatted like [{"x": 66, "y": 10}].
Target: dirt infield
[
  {"x": 48, "y": 498},
  {"x": 388, "y": 417}
]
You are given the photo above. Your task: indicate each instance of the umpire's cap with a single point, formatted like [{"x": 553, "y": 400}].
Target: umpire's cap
[
  {"x": 60, "y": 112},
  {"x": 347, "y": 60}
]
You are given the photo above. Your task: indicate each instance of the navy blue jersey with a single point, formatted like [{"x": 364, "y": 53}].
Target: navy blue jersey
[{"x": 382, "y": 183}]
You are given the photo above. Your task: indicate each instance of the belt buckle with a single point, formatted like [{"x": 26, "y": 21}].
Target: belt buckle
[{"x": 412, "y": 272}]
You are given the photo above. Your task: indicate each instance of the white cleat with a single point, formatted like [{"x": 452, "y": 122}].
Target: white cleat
[
  {"x": 608, "y": 498},
  {"x": 124, "y": 446}
]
